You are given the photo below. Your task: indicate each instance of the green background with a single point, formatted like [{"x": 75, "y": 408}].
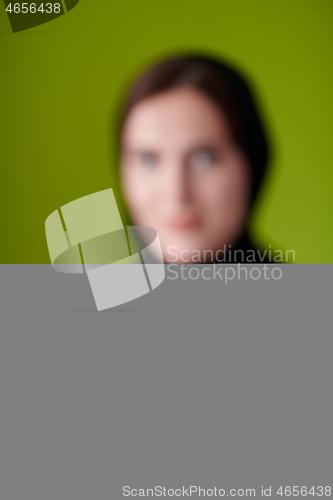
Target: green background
[{"x": 60, "y": 88}]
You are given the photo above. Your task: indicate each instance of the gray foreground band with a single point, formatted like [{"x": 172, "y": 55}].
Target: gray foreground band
[{"x": 197, "y": 383}]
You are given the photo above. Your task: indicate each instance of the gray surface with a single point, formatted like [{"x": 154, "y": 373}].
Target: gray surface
[{"x": 196, "y": 383}]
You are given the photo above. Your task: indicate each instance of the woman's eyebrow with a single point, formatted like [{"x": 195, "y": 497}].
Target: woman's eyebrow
[
  {"x": 205, "y": 145},
  {"x": 212, "y": 142},
  {"x": 202, "y": 146},
  {"x": 135, "y": 151}
]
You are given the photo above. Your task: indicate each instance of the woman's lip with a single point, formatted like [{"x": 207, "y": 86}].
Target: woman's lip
[{"x": 183, "y": 224}]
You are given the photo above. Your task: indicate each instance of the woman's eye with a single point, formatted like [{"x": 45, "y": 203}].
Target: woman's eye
[
  {"x": 203, "y": 159},
  {"x": 148, "y": 159}
]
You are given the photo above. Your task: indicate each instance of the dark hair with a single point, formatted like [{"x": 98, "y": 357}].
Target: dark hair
[{"x": 225, "y": 86}]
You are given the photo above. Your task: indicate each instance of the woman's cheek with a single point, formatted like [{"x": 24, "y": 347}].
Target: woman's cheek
[
  {"x": 215, "y": 191},
  {"x": 224, "y": 198},
  {"x": 134, "y": 189},
  {"x": 145, "y": 203}
]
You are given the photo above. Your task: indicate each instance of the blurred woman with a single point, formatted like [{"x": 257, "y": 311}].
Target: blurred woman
[{"x": 193, "y": 153}]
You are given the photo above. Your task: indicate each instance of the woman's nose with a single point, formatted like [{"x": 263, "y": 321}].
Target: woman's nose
[{"x": 178, "y": 183}]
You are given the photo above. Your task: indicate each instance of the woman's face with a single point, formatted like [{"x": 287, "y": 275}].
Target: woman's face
[{"x": 183, "y": 174}]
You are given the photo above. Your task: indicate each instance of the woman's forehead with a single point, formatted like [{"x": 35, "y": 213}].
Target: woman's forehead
[{"x": 181, "y": 115}]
